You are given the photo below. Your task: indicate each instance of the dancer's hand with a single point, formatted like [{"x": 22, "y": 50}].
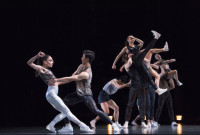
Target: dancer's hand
[
  {"x": 52, "y": 81},
  {"x": 41, "y": 54},
  {"x": 121, "y": 69},
  {"x": 173, "y": 60},
  {"x": 154, "y": 66},
  {"x": 113, "y": 66}
]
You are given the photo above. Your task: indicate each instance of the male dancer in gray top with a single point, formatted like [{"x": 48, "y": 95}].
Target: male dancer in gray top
[{"x": 83, "y": 78}]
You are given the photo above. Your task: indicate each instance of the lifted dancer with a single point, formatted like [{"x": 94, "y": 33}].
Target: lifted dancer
[
  {"x": 44, "y": 62},
  {"x": 166, "y": 72}
]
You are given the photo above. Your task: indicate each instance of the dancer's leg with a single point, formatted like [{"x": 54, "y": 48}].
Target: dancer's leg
[
  {"x": 59, "y": 105},
  {"x": 134, "y": 122},
  {"x": 133, "y": 92},
  {"x": 141, "y": 102},
  {"x": 114, "y": 106},
  {"x": 171, "y": 84},
  {"x": 170, "y": 107},
  {"x": 105, "y": 108},
  {"x": 71, "y": 99},
  {"x": 142, "y": 55},
  {"x": 157, "y": 50},
  {"x": 174, "y": 73},
  {"x": 161, "y": 101},
  {"x": 156, "y": 75},
  {"x": 152, "y": 102},
  {"x": 152, "y": 51},
  {"x": 89, "y": 101},
  {"x": 147, "y": 104}
]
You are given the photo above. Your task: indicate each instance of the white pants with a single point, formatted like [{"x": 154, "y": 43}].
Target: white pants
[{"x": 53, "y": 98}]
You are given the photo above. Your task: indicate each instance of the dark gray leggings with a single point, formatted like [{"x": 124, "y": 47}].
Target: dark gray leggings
[{"x": 74, "y": 98}]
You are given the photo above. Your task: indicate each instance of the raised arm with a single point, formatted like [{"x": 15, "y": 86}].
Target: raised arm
[
  {"x": 31, "y": 62},
  {"x": 118, "y": 56},
  {"x": 141, "y": 43}
]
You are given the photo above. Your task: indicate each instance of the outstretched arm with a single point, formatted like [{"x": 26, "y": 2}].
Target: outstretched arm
[
  {"x": 64, "y": 80},
  {"x": 31, "y": 62},
  {"x": 118, "y": 56},
  {"x": 170, "y": 61},
  {"x": 123, "y": 85}
]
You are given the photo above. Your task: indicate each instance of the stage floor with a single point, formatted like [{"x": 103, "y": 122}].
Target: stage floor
[{"x": 106, "y": 129}]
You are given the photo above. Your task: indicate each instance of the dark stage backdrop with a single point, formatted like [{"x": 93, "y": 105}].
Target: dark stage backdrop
[{"x": 64, "y": 28}]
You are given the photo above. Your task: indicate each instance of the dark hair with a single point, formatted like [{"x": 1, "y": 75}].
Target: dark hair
[
  {"x": 124, "y": 57},
  {"x": 126, "y": 42},
  {"x": 124, "y": 78},
  {"x": 40, "y": 61},
  {"x": 90, "y": 55}
]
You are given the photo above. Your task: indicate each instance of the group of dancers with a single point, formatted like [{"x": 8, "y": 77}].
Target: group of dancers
[{"x": 137, "y": 64}]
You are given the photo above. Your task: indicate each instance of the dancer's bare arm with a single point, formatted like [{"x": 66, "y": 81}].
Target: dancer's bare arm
[
  {"x": 141, "y": 43},
  {"x": 154, "y": 66},
  {"x": 118, "y": 56},
  {"x": 146, "y": 60},
  {"x": 34, "y": 66},
  {"x": 76, "y": 72},
  {"x": 64, "y": 80},
  {"x": 122, "y": 67},
  {"x": 121, "y": 86},
  {"x": 170, "y": 61}
]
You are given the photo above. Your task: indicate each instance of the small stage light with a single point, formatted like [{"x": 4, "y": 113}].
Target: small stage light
[{"x": 178, "y": 117}]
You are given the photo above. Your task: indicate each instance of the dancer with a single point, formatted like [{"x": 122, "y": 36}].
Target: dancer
[
  {"x": 44, "y": 62},
  {"x": 166, "y": 72},
  {"x": 125, "y": 49},
  {"x": 106, "y": 102},
  {"x": 83, "y": 77}
]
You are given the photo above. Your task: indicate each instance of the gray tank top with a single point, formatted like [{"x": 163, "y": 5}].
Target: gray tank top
[
  {"x": 83, "y": 87},
  {"x": 110, "y": 88},
  {"x": 46, "y": 76}
]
